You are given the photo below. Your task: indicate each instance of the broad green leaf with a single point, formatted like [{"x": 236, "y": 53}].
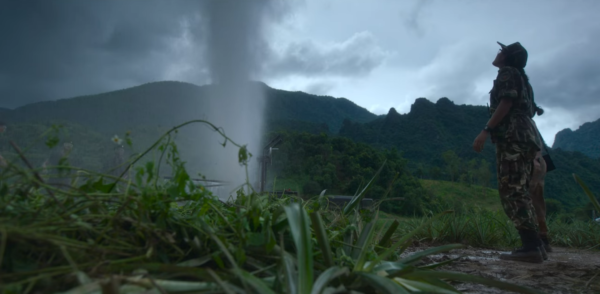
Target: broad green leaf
[
  {"x": 319, "y": 228},
  {"x": 365, "y": 235},
  {"x": 254, "y": 282},
  {"x": 196, "y": 261},
  {"x": 291, "y": 275},
  {"x": 363, "y": 244},
  {"x": 392, "y": 268},
  {"x": 385, "y": 241},
  {"x": 326, "y": 277},
  {"x": 382, "y": 284},
  {"x": 300, "y": 228}
]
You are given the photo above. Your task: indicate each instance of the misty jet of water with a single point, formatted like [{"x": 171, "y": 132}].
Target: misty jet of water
[{"x": 235, "y": 103}]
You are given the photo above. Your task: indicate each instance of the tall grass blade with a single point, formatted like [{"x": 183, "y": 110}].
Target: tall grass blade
[
  {"x": 319, "y": 228},
  {"x": 363, "y": 245},
  {"x": 382, "y": 284},
  {"x": 299, "y": 226},
  {"x": 588, "y": 192},
  {"x": 326, "y": 277},
  {"x": 291, "y": 275},
  {"x": 387, "y": 237},
  {"x": 404, "y": 240},
  {"x": 357, "y": 198},
  {"x": 254, "y": 282},
  {"x": 363, "y": 239}
]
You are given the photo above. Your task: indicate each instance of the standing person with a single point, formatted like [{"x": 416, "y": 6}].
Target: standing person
[
  {"x": 536, "y": 190},
  {"x": 517, "y": 142},
  {"x": 541, "y": 166}
]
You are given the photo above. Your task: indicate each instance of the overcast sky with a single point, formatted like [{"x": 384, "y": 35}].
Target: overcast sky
[{"x": 377, "y": 53}]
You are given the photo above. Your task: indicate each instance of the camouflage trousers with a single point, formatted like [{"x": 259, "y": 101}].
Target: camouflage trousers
[{"x": 514, "y": 166}]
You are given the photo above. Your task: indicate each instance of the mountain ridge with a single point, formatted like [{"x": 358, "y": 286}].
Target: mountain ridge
[
  {"x": 585, "y": 139},
  {"x": 164, "y": 100},
  {"x": 422, "y": 135},
  {"x": 430, "y": 130}
]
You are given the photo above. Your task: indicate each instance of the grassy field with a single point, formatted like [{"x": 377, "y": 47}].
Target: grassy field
[
  {"x": 108, "y": 234},
  {"x": 482, "y": 197}
]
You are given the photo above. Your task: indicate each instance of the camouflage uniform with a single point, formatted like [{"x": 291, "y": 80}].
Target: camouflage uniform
[{"x": 517, "y": 143}]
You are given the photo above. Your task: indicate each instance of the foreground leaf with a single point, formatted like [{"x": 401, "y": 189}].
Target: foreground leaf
[
  {"x": 356, "y": 199},
  {"x": 253, "y": 281},
  {"x": 588, "y": 192},
  {"x": 299, "y": 225},
  {"x": 326, "y": 277},
  {"x": 382, "y": 284}
]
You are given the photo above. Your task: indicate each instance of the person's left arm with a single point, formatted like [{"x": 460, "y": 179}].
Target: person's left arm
[{"x": 507, "y": 91}]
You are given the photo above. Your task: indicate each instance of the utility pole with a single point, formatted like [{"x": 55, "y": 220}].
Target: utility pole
[{"x": 266, "y": 159}]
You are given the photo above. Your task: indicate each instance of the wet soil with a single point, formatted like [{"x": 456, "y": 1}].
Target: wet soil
[{"x": 566, "y": 270}]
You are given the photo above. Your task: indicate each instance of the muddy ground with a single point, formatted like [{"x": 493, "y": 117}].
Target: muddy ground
[{"x": 566, "y": 270}]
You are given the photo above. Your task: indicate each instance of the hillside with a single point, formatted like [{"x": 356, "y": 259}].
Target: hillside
[
  {"x": 586, "y": 139},
  {"x": 430, "y": 136},
  {"x": 426, "y": 131},
  {"x": 456, "y": 193},
  {"x": 430, "y": 129},
  {"x": 170, "y": 103}
]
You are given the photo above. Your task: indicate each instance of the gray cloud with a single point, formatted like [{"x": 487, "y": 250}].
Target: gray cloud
[
  {"x": 451, "y": 74},
  {"x": 61, "y": 49},
  {"x": 66, "y": 48},
  {"x": 413, "y": 21},
  {"x": 354, "y": 57},
  {"x": 571, "y": 78},
  {"x": 319, "y": 88}
]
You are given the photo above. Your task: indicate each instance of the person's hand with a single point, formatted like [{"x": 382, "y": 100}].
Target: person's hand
[{"x": 480, "y": 141}]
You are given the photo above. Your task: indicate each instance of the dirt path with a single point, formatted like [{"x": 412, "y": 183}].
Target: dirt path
[{"x": 566, "y": 270}]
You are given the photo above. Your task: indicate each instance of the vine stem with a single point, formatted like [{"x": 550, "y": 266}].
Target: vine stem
[
  {"x": 212, "y": 126},
  {"x": 36, "y": 174}
]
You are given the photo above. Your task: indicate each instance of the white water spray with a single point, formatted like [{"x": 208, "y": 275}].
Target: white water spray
[{"x": 235, "y": 103}]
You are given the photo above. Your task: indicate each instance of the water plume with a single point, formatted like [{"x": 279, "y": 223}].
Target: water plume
[{"x": 235, "y": 48}]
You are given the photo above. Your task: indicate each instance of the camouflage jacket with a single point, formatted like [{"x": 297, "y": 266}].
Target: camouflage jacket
[{"x": 517, "y": 125}]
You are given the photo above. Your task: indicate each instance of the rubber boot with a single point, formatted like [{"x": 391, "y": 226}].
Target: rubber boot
[
  {"x": 529, "y": 252},
  {"x": 546, "y": 243}
]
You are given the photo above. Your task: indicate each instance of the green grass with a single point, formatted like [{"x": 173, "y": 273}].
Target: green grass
[
  {"x": 105, "y": 234},
  {"x": 287, "y": 183},
  {"x": 483, "y": 197},
  {"x": 486, "y": 229}
]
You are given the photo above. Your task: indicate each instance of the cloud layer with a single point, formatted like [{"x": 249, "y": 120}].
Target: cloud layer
[{"x": 378, "y": 56}]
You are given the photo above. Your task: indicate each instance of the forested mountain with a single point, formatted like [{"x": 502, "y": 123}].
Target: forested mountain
[
  {"x": 586, "y": 139},
  {"x": 428, "y": 130},
  {"x": 437, "y": 138},
  {"x": 170, "y": 103},
  {"x": 434, "y": 138}
]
